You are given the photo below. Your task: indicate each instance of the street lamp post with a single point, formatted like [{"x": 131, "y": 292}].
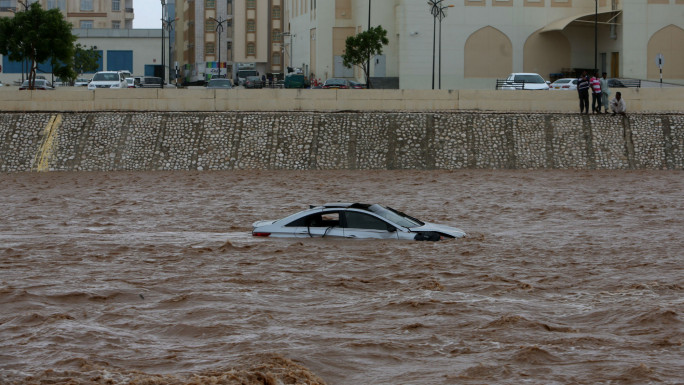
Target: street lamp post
[
  {"x": 434, "y": 10},
  {"x": 290, "y": 35},
  {"x": 441, "y": 16},
  {"x": 168, "y": 23},
  {"x": 163, "y": 4},
  {"x": 219, "y": 30},
  {"x": 596, "y": 37},
  {"x": 369, "y": 59},
  {"x": 437, "y": 11}
]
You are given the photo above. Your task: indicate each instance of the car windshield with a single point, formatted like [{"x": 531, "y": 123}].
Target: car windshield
[
  {"x": 395, "y": 216},
  {"x": 529, "y": 78},
  {"x": 219, "y": 83},
  {"x": 38, "y": 83},
  {"x": 335, "y": 82},
  {"x": 563, "y": 81},
  {"x": 106, "y": 77}
]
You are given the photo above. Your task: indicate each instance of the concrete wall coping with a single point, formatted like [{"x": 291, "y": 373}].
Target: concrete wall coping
[{"x": 639, "y": 100}]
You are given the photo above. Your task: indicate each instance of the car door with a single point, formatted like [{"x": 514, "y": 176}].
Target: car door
[
  {"x": 320, "y": 225},
  {"x": 358, "y": 224}
]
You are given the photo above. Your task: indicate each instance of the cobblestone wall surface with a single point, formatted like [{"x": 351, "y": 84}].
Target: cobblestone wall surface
[{"x": 300, "y": 140}]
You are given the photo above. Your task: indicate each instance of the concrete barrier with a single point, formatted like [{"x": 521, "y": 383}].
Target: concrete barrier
[{"x": 69, "y": 99}]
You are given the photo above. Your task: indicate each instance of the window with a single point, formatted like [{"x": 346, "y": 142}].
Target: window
[
  {"x": 209, "y": 25},
  {"x": 116, "y": 24},
  {"x": 276, "y": 59},
  {"x": 251, "y": 49},
  {"x": 251, "y": 4},
  {"x": 275, "y": 12},
  {"x": 116, "y": 5},
  {"x": 85, "y": 24},
  {"x": 251, "y": 25},
  {"x": 329, "y": 219},
  {"x": 276, "y": 35},
  {"x": 51, "y": 4},
  {"x": 209, "y": 48},
  {"x": 86, "y": 5},
  {"x": 364, "y": 221},
  {"x": 210, "y": 4}
]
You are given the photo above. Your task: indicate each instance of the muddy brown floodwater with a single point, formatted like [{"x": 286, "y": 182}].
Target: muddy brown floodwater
[{"x": 153, "y": 277}]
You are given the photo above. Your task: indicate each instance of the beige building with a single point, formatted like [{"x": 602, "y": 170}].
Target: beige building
[
  {"x": 229, "y": 32},
  {"x": 83, "y": 14},
  {"x": 482, "y": 40}
]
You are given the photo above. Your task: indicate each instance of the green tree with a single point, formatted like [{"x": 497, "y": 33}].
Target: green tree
[
  {"x": 360, "y": 48},
  {"x": 84, "y": 60},
  {"x": 37, "y": 35}
]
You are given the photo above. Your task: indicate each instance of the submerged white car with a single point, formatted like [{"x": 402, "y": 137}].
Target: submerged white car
[{"x": 354, "y": 220}]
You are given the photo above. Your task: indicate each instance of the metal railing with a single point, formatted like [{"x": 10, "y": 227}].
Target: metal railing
[{"x": 504, "y": 84}]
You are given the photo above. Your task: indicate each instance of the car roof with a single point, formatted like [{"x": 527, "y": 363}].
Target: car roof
[{"x": 341, "y": 205}]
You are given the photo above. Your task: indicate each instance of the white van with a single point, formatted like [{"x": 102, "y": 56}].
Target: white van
[{"x": 108, "y": 79}]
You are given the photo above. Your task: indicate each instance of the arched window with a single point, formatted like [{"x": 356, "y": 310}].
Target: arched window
[
  {"x": 488, "y": 53},
  {"x": 251, "y": 25},
  {"x": 251, "y": 49},
  {"x": 276, "y": 36}
]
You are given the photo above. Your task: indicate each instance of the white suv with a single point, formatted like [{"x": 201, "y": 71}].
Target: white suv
[{"x": 108, "y": 79}]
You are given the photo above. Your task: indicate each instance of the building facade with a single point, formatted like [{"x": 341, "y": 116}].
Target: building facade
[
  {"x": 83, "y": 14},
  {"x": 479, "y": 41},
  {"x": 215, "y": 36}
]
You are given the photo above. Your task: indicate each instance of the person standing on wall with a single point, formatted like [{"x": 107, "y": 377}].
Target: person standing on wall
[
  {"x": 595, "y": 93},
  {"x": 583, "y": 91},
  {"x": 605, "y": 93}
]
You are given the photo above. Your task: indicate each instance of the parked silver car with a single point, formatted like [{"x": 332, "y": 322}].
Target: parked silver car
[{"x": 354, "y": 220}]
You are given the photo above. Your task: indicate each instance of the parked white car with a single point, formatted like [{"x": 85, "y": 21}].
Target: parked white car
[
  {"x": 525, "y": 81},
  {"x": 81, "y": 82},
  {"x": 564, "y": 84},
  {"x": 108, "y": 79},
  {"x": 354, "y": 220}
]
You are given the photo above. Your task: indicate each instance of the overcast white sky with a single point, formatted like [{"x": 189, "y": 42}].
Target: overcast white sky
[{"x": 147, "y": 14}]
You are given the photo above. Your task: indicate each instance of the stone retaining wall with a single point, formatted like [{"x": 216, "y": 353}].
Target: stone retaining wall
[{"x": 306, "y": 140}]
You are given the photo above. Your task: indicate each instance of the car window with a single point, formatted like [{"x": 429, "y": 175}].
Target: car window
[
  {"x": 529, "y": 78},
  {"x": 327, "y": 219},
  {"x": 356, "y": 220}
]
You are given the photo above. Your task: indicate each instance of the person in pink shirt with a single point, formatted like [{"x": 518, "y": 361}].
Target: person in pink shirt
[{"x": 595, "y": 83}]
